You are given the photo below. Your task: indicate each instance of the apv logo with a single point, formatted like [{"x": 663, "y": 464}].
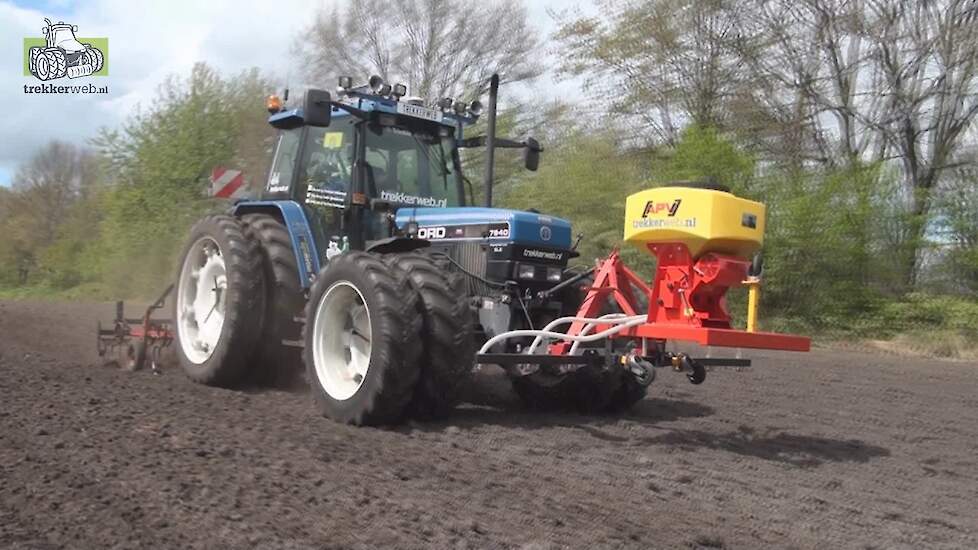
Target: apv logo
[
  {"x": 653, "y": 208},
  {"x": 60, "y": 53}
]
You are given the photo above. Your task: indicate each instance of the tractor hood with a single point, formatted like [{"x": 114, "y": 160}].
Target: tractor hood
[{"x": 490, "y": 224}]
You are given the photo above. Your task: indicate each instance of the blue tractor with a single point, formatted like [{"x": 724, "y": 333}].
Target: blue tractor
[{"x": 365, "y": 260}]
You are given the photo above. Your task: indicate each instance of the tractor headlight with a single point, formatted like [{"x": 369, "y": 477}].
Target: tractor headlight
[
  {"x": 554, "y": 274},
  {"x": 445, "y": 103},
  {"x": 525, "y": 271},
  {"x": 475, "y": 108},
  {"x": 459, "y": 107},
  {"x": 385, "y": 90},
  {"x": 346, "y": 82},
  {"x": 399, "y": 91}
]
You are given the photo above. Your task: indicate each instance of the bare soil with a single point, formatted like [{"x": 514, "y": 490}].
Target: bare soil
[{"x": 819, "y": 450}]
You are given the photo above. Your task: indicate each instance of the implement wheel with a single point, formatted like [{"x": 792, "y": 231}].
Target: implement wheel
[
  {"x": 446, "y": 361},
  {"x": 218, "y": 302},
  {"x": 362, "y": 340}
]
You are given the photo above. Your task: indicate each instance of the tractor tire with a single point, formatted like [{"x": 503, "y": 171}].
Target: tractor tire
[
  {"x": 216, "y": 351},
  {"x": 585, "y": 390},
  {"x": 41, "y": 66},
  {"x": 95, "y": 57},
  {"x": 32, "y": 55},
  {"x": 446, "y": 334},
  {"x": 274, "y": 362},
  {"x": 57, "y": 64},
  {"x": 362, "y": 340},
  {"x": 628, "y": 394}
]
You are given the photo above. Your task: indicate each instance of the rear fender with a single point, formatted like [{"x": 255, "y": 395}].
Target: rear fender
[{"x": 291, "y": 215}]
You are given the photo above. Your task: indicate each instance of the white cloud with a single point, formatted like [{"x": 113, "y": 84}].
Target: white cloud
[{"x": 148, "y": 41}]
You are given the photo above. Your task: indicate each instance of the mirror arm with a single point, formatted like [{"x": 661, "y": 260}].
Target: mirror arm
[
  {"x": 479, "y": 141},
  {"x": 349, "y": 108}
]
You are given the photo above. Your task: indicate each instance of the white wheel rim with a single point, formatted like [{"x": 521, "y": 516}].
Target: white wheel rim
[
  {"x": 201, "y": 300},
  {"x": 341, "y": 340}
]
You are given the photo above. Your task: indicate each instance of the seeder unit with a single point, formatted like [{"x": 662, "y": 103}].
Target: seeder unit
[{"x": 705, "y": 241}]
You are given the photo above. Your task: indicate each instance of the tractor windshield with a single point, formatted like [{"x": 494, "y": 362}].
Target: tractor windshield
[
  {"x": 413, "y": 167},
  {"x": 407, "y": 167},
  {"x": 64, "y": 37}
]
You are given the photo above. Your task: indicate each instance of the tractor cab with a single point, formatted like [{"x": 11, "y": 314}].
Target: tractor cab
[
  {"x": 62, "y": 35},
  {"x": 374, "y": 168},
  {"x": 376, "y": 155}
]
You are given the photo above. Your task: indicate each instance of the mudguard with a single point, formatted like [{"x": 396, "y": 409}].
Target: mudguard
[{"x": 294, "y": 218}]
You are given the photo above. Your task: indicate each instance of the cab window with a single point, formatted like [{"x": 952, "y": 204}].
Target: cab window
[{"x": 283, "y": 166}]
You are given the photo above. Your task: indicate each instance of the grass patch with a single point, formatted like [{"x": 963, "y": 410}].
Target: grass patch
[{"x": 86, "y": 292}]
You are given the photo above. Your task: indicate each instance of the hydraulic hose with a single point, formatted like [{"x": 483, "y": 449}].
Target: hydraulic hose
[
  {"x": 611, "y": 319},
  {"x": 621, "y": 324}
]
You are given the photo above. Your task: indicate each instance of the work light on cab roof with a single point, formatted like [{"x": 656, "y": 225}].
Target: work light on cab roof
[{"x": 378, "y": 87}]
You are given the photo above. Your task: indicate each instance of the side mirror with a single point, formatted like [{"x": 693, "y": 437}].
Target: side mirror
[
  {"x": 317, "y": 107},
  {"x": 531, "y": 154}
]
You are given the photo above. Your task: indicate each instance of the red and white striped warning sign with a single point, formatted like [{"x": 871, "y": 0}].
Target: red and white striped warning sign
[{"x": 227, "y": 184}]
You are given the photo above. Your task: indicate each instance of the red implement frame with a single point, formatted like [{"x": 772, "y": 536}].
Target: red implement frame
[{"x": 686, "y": 301}]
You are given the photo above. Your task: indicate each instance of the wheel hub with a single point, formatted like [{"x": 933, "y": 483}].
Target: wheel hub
[
  {"x": 202, "y": 300},
  {"x": 341, "y": 340}
]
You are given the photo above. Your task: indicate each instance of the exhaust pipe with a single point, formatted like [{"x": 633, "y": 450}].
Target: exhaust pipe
[{"x": 491, "y": 137}]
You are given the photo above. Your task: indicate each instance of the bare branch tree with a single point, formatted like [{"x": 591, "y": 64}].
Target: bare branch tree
[
  {"x": 665, "y": 61},
  {"x": 441, "y": 48},
  {"x": 872, "y": 80}
]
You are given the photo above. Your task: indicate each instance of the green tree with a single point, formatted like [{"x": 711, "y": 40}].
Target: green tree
[
  {"x": 161, "y": 160},
  {"x": 703, "y": 154}
]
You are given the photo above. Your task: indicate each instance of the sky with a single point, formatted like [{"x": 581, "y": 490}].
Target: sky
[{"x": 149, "y": 40}]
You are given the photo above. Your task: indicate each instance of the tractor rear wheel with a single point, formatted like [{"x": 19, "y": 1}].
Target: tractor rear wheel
[
  {"x": 32, "y": 54},
  {"x": 218, "y": 302},
  {"x": 275, "y": 362},
  {"x": 362, "y": 340},
  {"x": 446, "y": 361}
]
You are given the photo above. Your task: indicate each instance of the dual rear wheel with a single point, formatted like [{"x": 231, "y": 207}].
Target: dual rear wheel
[{"x": 386, "y": 337}]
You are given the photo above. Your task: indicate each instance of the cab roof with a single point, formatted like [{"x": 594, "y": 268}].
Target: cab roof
[{"x": 368, "y": 103}]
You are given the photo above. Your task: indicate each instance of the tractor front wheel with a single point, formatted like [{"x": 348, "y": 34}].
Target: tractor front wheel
[
  {"x": 584, "y": 390},
  {"x": 362, "y": 340},
  {"x": 446, "y": 361},
  {"x": 218, "y": 302},
  {"x": 55, "y": 63},
  {"x": 95, "y": 57}
]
